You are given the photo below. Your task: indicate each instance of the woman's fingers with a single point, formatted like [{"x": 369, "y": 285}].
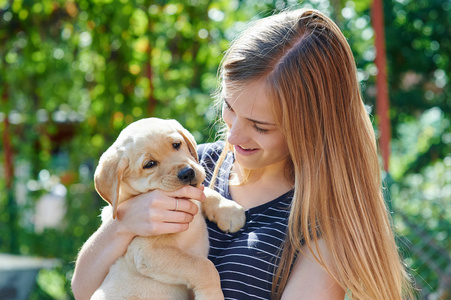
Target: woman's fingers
[
  {"x": 179, "y": 201},
  {"x": 188, "y": 192},
  {"x": 183, "y": 205},
  {"x": 167, "y": 228},
  {"x": 164, "y": 221},
  {"x": 177, "y": 217}
]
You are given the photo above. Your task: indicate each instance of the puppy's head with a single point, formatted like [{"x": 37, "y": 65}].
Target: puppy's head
[{"x": 148, "y": 154}]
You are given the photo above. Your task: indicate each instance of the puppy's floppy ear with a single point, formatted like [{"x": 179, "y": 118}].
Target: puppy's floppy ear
[
  {"x": 108, "y": 177},
  {"x": 189, "y": 139}
]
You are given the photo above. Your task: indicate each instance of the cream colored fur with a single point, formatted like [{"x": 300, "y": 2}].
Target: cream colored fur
[{"x": 172, "y": 266}]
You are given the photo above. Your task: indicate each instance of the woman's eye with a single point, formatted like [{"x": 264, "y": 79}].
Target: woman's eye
[
  {"x": 176, "y": 145},
  {"x": 260, "y": 130},
  {"x": 150, "y": 164}
]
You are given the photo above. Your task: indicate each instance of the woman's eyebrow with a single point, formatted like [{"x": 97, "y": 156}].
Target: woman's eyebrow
[
  {"x": 252, "y": 120},
  {"x": 260, "y": 122}
]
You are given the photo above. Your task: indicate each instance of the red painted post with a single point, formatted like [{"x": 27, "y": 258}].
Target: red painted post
[{"x": 382, "y": 100}]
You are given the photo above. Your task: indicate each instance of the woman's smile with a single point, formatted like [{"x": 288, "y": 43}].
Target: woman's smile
[{"x": 245, "y": 151}]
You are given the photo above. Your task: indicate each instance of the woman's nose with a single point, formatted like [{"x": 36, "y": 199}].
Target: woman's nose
[{"x": 237, "y": 133}]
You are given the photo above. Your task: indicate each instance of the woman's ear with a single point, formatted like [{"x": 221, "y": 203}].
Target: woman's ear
[{"x": 108, "y": 177}]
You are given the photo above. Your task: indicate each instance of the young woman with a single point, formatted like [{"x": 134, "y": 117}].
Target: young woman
[{"x": 300, "y": 155}]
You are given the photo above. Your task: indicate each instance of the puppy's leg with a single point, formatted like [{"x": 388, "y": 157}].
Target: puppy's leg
[
  {"x": 174, "y": 266},
  {"x": 228, "y": 214}
]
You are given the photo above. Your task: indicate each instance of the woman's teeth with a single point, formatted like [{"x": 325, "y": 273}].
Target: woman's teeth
[{"x": 247, "y": 149}]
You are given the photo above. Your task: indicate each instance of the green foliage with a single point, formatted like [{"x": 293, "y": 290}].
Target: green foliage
[{"x": 74, "y": 73}]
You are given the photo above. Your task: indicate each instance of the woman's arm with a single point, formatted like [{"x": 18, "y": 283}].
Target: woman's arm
[
  {"x": 309, "y": 280},
  {"x": 96, "y": 256},
  {"x": 144, "y": 215}
]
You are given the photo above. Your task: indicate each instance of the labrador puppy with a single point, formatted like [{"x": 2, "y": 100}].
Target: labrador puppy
[{"x": 160, "y": 154}]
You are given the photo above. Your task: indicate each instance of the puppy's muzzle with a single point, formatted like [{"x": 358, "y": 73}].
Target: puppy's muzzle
[{"x": 187, "y": 176}]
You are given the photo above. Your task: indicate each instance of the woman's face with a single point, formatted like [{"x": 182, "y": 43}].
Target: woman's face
[{"x": 257, "y": 141}]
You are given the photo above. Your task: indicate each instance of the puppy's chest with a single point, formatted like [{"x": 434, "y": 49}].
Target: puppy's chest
[{"x": 195, "y": 239}]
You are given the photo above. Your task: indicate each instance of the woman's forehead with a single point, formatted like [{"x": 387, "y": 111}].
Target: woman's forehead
[
  {"x": 251, "y": 100},
  {"x": 248, "y": 90}
]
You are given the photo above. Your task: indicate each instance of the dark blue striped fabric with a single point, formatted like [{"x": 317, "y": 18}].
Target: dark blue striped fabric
[{"x": 246, "y": 260}]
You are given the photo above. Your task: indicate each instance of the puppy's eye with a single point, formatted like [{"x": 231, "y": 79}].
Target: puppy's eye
[
  {"x": 176, "y": 145},
  {"x": 150, "y": 164}
]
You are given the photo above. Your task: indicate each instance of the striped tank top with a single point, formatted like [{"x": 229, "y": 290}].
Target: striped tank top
[{"x": 246, "y": 260}]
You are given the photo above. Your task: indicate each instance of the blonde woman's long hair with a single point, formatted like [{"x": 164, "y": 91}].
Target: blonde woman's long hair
[{"x": 310, "y": 73}]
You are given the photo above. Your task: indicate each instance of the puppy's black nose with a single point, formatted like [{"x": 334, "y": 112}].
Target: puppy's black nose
[{"x": 186, "y": 175}]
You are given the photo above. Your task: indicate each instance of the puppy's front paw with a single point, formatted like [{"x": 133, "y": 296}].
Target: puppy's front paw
[
  {"x": 231, "y": 216},
  {"x": 228, "y": 214}
]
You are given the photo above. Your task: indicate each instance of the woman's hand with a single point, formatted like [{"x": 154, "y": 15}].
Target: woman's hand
[{"x": 159, "y": 212}]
